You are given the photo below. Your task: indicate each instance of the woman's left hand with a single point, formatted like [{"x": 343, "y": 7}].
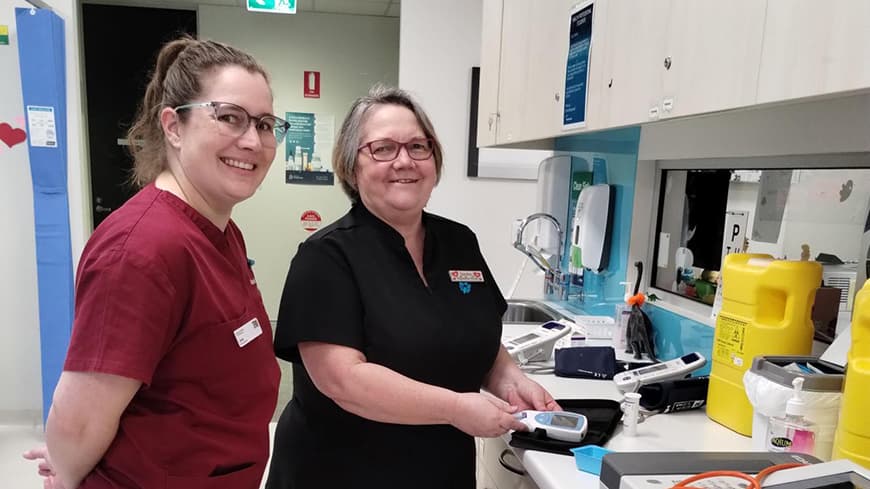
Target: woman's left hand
[{"x": 528, "y": 394}]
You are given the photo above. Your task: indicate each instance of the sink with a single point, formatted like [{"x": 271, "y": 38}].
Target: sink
[{"x": 529, "y": 311}]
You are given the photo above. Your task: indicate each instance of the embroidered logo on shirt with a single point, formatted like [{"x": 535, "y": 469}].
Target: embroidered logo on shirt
[
  {"x": 464, "y": 287},
  {"x": 466, "y": 276}
]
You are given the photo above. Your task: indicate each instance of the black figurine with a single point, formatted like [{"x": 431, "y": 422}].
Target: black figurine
[{"x": 638, "y": 333}]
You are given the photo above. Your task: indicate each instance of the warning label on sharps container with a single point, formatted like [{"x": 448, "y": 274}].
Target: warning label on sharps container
[{"x": 730, "y": 337}]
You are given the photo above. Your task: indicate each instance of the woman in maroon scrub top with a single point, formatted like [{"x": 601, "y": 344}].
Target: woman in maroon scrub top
[{"x": 170, "y": 380}]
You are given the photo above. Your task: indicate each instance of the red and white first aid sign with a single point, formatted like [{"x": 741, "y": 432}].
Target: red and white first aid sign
[
  {"x": 311, "y": 86},
  {"x": 310, "y": 221}
]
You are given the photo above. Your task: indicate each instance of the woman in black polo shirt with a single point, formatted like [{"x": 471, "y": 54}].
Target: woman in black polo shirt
[{"x": 393, "y": 321}]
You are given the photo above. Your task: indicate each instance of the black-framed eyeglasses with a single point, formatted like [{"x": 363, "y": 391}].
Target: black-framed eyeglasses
[
  {"x": 233, "y": 120},
  {"x": 388, "y": 149}
]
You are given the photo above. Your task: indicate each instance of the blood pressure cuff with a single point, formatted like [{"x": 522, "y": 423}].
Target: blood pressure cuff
[
  {"x": 674, "y": 395},
  {"x": 602, "y": 415},
  {"x": 586, "y": 362}
]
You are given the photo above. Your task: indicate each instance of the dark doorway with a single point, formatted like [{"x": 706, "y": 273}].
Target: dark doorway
[{"x": 120, "y": 47}]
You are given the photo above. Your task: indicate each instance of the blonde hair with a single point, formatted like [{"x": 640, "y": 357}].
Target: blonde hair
[{"x": 176, "y": 80}]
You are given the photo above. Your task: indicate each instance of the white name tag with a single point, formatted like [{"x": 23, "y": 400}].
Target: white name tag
[
  {"x": 248, "y": 332},
  {"x": 466, "y": 276}
]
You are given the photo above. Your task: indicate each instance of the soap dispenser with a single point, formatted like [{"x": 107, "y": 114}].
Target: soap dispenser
[{"x": 792, "y": 432}]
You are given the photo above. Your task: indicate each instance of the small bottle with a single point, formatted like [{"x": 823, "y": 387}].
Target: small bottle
[
  {"x": 623, "y": 313},
  {"x": 297, "y": 159},
  {"x": 792, "y": 432}
]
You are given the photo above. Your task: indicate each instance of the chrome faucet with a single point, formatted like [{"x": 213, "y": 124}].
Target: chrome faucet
[{"x": 553, "y": 275}]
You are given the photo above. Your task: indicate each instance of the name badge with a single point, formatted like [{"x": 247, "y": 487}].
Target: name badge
[
  {"x": 248, "y": 332},
  {"x": 466, "y": 276}
]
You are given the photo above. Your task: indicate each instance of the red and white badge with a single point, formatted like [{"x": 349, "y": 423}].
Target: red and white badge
[
  {"x": 466, "y": 276},
  {"x": 310, "y": 220}
]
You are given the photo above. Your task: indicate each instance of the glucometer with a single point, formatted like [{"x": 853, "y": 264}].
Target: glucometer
[
  {"x": 677, "y": 368},
  {"x": 538, "y": 344},
  {"x": 559, "y": 425}
]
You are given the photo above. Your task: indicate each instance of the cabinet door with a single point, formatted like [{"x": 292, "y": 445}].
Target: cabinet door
[
  {"x": 513, "y": 80},
  {"x": 490, "y": 57},
  {"x": 501, "y": 477},
  {"x": 814, "y": 48},
  {"x": 714, "y": 48},
  {"x": 546, "y": 57},
  {"x": 631, "y": 82}
]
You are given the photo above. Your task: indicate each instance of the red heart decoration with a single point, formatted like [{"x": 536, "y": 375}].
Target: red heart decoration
[{"x": 10, "y": 135}]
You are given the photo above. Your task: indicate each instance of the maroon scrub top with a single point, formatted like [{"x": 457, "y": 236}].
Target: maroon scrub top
[{"x": 160, "y": 294}]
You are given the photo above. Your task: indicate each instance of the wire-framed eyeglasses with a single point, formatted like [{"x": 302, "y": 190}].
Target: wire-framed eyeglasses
[
  {"x": 388, "y": 149},
  {"x": 233, "y": 120}
]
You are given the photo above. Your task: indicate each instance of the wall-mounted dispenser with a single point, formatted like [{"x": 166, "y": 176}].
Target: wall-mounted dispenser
[{"x": 591, "y": 227}]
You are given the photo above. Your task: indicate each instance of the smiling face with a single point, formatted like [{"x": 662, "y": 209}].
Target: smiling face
[
  {"x": 222, "y": 168},
  {"x": 396, "y": 190}
]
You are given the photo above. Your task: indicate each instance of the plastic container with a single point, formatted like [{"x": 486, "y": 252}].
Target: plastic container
[
  {"x": 588, "y": 458},
  {"x": 766, "y": 308},
  {"x": 769, "y": 386},
  {"x": 792, "y": 432},
  {"x": 853, "y": 433}
]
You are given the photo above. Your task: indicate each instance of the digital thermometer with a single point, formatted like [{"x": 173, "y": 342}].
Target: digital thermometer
[
  {"x": 559, "y": 425},
  {"x": 537, "y": 344},
  {"x": 677, "y": 368}
]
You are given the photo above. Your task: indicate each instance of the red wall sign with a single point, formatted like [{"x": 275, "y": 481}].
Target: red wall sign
[
  {"x": 310, "y": 221},
  {"x": 311, "y": 84}
]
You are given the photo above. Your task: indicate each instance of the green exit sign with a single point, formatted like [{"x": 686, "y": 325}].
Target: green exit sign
[{"x": 272, "y": 6}]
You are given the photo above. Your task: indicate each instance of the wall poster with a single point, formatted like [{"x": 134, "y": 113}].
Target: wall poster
[{"x": 308, "y": 149}]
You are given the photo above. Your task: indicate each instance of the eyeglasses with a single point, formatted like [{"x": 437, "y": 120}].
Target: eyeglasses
[
  {"x": 388, "y": 150},
  {"x": 233, "y": 120}
]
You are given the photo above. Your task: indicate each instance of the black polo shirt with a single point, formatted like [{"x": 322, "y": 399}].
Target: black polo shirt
[{"x": 354, "y": 284}]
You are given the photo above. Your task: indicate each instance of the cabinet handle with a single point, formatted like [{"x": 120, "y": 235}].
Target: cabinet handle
[
  {"x": 667, "y": 62},
  {"x": 493, "y": 116},
  {"x": 507, "y": 466}
]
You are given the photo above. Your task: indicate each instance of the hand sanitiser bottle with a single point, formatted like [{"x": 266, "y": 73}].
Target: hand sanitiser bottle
[{"x": 792, "y": 432}]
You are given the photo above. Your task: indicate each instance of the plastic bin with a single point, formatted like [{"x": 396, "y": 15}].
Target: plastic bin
[
  {"x": 588, "y": 458},
  {"x": 769, "y": 386}
]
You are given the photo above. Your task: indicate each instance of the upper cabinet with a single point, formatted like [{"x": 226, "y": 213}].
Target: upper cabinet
[
  {"x": 813, "y": 48},
  {"x": 490, "y": 61},
  {"x": 522, "y": 52},
  {"x": 713, "y": 51},
  {"x": 673, "y": 58},
  {"x": 632, "y": 51},
  {"x": 659, "y": 59}
]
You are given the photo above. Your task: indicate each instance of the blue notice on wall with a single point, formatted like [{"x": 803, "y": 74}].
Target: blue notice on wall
[{"x": 577, "y": 70}]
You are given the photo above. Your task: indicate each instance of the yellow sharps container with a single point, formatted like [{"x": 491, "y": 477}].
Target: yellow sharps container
[
  {"x": 852, "y": 440},
  {"x": 766, "y": 310}
]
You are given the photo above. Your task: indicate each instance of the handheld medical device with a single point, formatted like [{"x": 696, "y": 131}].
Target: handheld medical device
[
  {"x": 591, "y": 226},
  {"x": 559, "y": 425},
  {"x": 538, "y": 344},
  {"x": 677, "y": 368}
]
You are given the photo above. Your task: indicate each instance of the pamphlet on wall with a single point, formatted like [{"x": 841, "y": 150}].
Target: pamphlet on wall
[{"x": 577, "y": 67}]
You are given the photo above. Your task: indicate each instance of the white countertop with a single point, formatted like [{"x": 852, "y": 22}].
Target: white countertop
[{"x": 685, "y": 431}]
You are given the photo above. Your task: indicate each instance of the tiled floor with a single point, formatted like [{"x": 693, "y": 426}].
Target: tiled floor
[{"x": 17, "y": 473}]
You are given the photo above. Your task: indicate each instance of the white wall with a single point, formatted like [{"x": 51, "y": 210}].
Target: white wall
[
  {"x": 351, "y": 53},
  {"x": 20, "y": 369},
  {"x": 440, "y": 42}
]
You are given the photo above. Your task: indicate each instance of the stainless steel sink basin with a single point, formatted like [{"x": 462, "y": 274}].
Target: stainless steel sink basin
[{"x": 529, "y": 311}]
